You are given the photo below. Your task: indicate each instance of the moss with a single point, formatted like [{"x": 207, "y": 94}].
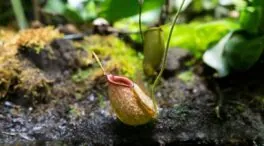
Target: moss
[
  {"x": 241, "y": 107},
  {"x": 186, "y": 76},
  {"x": 75, "y": 111},
  {"x": 83, "y": 58},
  {"x": 258, "y": 101},
  {"x": 37, "y": 38},
  {"x": 6, "y": 34},
  {"x": 29, "y": 84},
  {"x": 24, "y": 79},
  {"x": 6, "y": 78},
  {"x": 81, "y": 75},
  {"x": 20, "y": 78},
  {"x": 115, "y": 55},
  {"x": 101, "y": 100},
  {"x": 8, "y": 69},
  {"x": 33, "y": 84},
  {"x": 181, "y": 110},
  {"x": 82, "y": 81}
]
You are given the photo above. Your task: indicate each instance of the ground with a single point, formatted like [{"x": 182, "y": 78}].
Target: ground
[{"x": 67, "y": 101}]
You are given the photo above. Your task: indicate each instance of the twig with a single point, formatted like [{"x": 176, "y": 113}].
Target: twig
[{"x": 99, "y": 62}]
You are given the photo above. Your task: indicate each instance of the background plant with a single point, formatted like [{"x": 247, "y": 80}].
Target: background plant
[{"x": 240, "y": 49}]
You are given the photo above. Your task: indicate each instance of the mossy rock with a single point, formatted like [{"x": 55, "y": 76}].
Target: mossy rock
[
  {"x": 40, "y": 76},
  {"x": 116, "y": 56},
  {"x": 34, "y": 86},
  {"x": 58, "y": 56},
  {"x": 37, "y": 39}
]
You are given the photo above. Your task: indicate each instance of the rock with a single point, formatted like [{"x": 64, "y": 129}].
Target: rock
[
  {"x": 57, "y": 57},
  {"x": 175, "y": 60},
  {"x": 189, "y": 121}
]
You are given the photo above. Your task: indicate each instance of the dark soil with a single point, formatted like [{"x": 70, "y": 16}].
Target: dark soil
[{"x": 187, "y": 113}]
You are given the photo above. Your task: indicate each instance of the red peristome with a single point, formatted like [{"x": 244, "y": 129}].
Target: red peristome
[{"x": 118, "y": 80}]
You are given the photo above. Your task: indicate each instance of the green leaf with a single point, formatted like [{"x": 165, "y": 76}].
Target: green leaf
[
  {"x": 199, "y": 36},
  {"x": 55, "y": 7},
  {"x": 118, "y": 9},
  {"x": 242, "y": 51},
  {"x": 237, "y": 51},
  {"x": 260, "y": 5},
  {"x": 212, "y": 32},
  {"x": 250, "y": 19},
  {"x": 182, "y": 36},
  {"x": 214, "y": 57},
  {"x": 90, "y": 10},
  {"x": 81, "y": 15},
  {"x": 73, "y": 15}
]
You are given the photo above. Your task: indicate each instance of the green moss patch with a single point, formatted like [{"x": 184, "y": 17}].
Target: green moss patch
[{"x": 115, "y": 55}]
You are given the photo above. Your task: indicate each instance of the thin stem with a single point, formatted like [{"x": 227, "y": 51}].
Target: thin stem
[
  {"x": 220, "y": 100},
  {"x": 19, "y": 13},
  {"x": 99, "y": 62},
  {"x": 36, "y": 9},
  {"x": 139, "y": 21},
  {"x": 165, "y": 56}
]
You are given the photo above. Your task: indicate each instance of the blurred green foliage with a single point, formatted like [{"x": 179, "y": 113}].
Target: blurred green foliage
[
  {"x": 85, "y": 10},
  {"x": 250, "y": 19},
  {"x": 198, "y": 36},
  {"x": 117, "y": 9},
  {"x": 19, "y": 13},
  {"x": 55, "y": 7},
  {"x": 240, "y": 49},
  {"x": 200, "y": 5},
  {"x": 79, "y": 11},
  {"x": 113, "y": 10}
]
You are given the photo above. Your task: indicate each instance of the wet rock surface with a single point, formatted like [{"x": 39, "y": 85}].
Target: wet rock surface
[
  {"x": 190, "y": 120},
  {"x": 175, "y": 61}
]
